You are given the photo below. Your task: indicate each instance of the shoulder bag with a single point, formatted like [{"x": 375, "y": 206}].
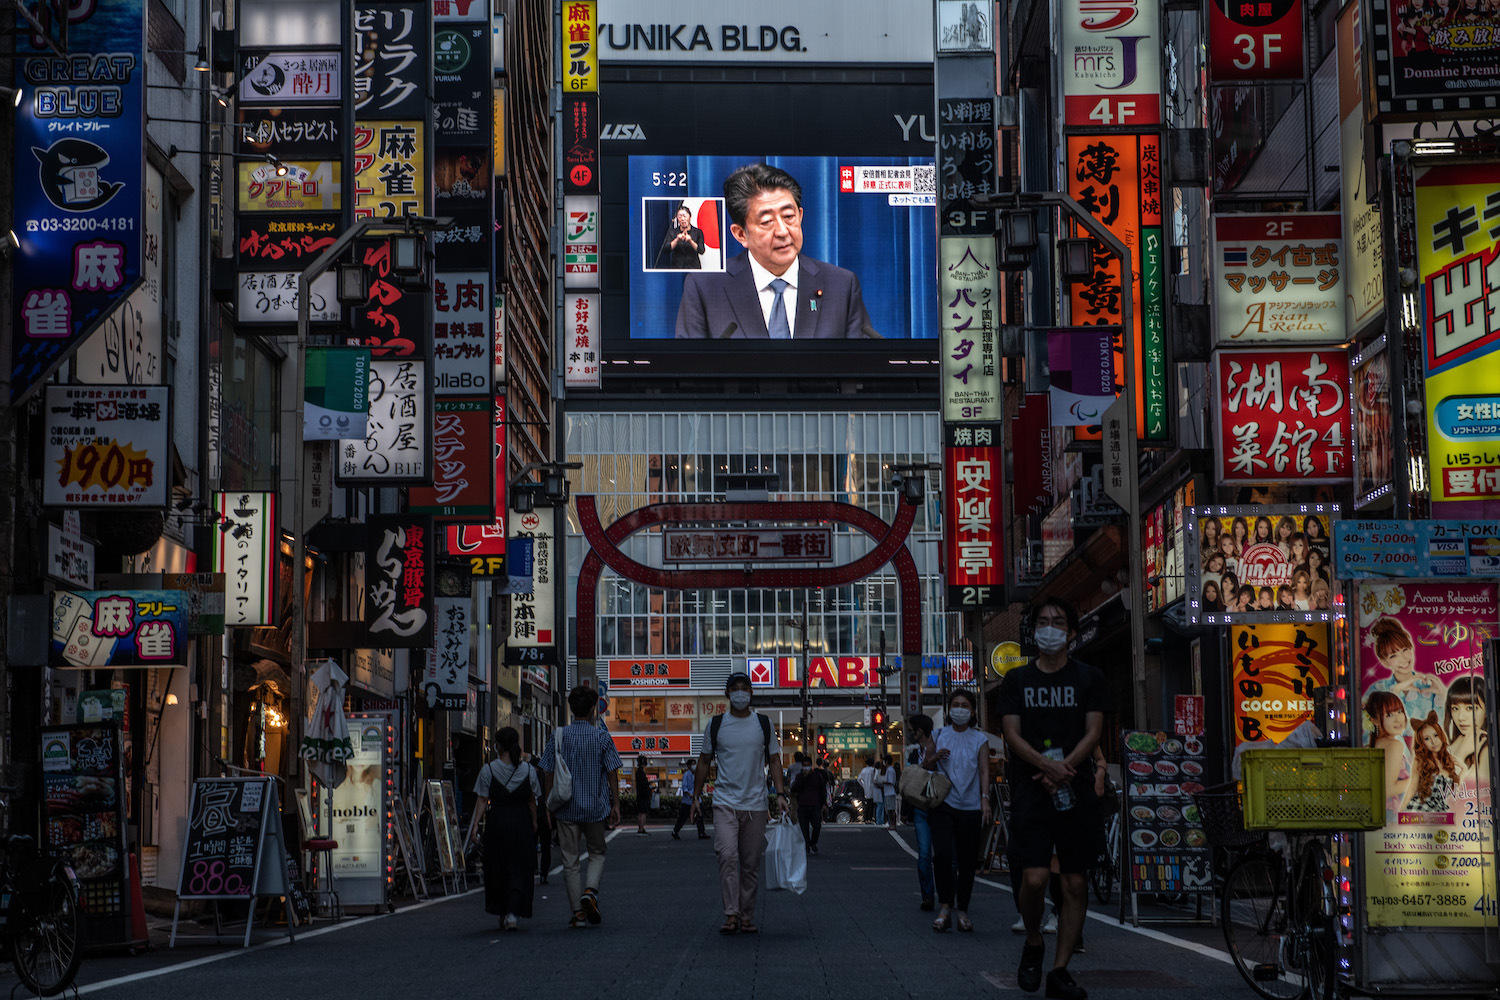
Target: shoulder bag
[
  {"x": 561, "y": 792},
  {"x": 922, "y": 788}
]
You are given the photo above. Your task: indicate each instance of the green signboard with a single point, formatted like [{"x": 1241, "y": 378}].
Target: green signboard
[
  {"x": 336, "y": 393},
  {"x": 856, "y": 738}
]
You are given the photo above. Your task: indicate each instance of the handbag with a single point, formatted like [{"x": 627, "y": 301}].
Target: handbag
[
  {"x": 561, "y": 792},
  {"x": 924, "y": 789}
]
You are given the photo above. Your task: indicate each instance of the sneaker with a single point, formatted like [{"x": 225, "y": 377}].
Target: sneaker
[
  {"x": 578, "y": 920},
  {"x": 813, "y": 848},
  {"x": 1019, "y": 927},
  {"x": 703, "y": 836},
  {"x": 1079, "y": 949},
  {"x": 509, "y": 923},
  {"x": 1050, "y": 927},
  {"x": 676, "y": 835},
  {"x": 1061, "y": 985},
  {"x": 1029, "y": 972},
  {"x": 590, "y": 904}
]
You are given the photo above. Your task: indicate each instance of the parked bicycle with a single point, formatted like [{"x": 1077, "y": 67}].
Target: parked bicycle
[
  {"x": 39, "y": 911},
  {"x": 1107, "y": 869}
]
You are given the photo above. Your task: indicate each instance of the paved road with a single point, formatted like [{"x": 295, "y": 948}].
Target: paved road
[{"x": 857, "y": 932}]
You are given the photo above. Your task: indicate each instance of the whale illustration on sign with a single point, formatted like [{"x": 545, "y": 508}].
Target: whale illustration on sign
[{"x": 69, "y": 174}]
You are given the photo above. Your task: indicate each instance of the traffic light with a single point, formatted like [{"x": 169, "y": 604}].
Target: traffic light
[
  {"x": 822, "y": 741},
  {"x": 877, "y": 721}
]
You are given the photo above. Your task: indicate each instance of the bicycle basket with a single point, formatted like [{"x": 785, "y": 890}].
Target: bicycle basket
[
  {"x": 1334, "y": 790},
  {"x": 1223, "y": 822}
]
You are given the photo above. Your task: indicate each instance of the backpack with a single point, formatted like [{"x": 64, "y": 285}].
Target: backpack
[
  {"x": 561, "y": 792},
  {"x": 718, "y": 720}
]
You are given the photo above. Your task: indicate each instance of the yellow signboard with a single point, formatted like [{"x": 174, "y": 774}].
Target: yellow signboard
[
  {"x": 580, "y": 47},
  {"x": 390, "y": 169},
  {"x": 289, "y": 187}
]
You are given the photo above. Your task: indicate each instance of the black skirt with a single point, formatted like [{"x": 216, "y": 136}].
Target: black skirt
[{"x": 509, "y": 859}]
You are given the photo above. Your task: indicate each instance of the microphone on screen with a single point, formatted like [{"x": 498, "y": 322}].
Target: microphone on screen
[{"x": 728, "y": 332}]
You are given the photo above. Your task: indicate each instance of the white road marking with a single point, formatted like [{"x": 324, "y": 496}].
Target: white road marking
[{"x": 1145, "y": 932}]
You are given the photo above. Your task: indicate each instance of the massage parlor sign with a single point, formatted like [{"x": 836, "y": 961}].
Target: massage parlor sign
[{"x": 1422, "y": 700}]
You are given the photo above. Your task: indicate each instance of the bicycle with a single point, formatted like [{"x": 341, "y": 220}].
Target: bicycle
[
  {"x": 1107, "y": 869},
  {"x": 39, "y": 916}
]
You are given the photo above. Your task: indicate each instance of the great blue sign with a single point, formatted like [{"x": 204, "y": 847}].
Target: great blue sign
[{"x": 79, "y": 161}]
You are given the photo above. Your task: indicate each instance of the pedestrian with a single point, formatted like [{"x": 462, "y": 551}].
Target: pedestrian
[
  {"x": 744, "y": 744},
  {"x": 867, "y": 781},
  {"x": 1052, "y": 711},
  {"x": 686, "y": 792},
  {"x": 642, "y": 794},
  {"x": 589, "y": 753},
  {"x": 809, "y": 792},
  {"x": 800, "y": 762},
  {"x": 920, "y": 730},
  {"x": 546, "y": 833},
  {"x": 505, "y": 794},
  {"x": 962, "y": 753},
  {"x": 888, "y": 782}
]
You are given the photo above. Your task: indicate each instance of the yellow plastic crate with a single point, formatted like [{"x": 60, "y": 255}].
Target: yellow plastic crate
[{"x": 1335, "y": 789}]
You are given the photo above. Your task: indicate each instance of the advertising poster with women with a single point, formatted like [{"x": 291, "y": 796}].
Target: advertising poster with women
[
  {"x": 1423, "y": 703},
  {"x": 1259, "y": 564}
]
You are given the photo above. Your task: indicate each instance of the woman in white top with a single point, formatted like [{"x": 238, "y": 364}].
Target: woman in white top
[
  {"x": 888, "y": 781},
  {"x": 507, "y": 790},
  {"x": 962, "y": 753}
]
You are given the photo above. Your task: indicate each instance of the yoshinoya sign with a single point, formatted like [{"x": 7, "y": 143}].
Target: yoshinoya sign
[
  {"x": 649, "y": 673},
  {"x": 783, "y": 31},
  {"x": 1110, "y": 62},
  {"x": 691, "y": 545}
]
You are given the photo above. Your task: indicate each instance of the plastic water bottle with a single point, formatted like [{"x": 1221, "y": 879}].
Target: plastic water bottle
[{"x": 1062, "y": 796}]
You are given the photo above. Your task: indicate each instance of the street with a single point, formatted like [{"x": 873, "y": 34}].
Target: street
[{"x": 857, "y": 932}]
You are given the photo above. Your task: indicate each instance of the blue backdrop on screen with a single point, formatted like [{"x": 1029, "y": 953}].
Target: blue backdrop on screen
[{"x": 889, "y": 248}]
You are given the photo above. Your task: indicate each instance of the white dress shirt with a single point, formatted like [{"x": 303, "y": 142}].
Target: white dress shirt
[{"x": 763, "y": 279}]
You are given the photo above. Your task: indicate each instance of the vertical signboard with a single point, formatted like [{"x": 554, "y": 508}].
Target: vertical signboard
[
  {"x": 127, "y": 347},
  {"x": 1283, "y": 416},
  {"x": 1031, "y": 466},
  {"x": 1117, "y": 179},
  {"x": 580, "y": 25},
  {"x": 1374, "y": 439},
  {"x": 966, "y": 163},
  {"x": 1364, "y": 267},
  {"x": 395, "y": 447},
  {"x": 580, "y": 143},
  {"x": 357, "y": 812},
  {"x": 245, "y": 552},
  {"x": 461, "y": 338},
  {"x": 1255, "y": 40},
  {"x": 1278, "y": 279},
  {"x": 445, "y": 682},
  {"x": 581, "y": 255},
  {"x": 398, "y": 581},
  {"x": 968, "y": 293},
  {"x": 973, "y": 532},
  {"x": 580, "y": 319},
  {"x": 533, "y": 640},
  {"x": 1110, "y": 62},
  {"x": 1458, "y": 237},
  {"x": 462, "y": 461},
  {"x": 1422, "y": 684}
]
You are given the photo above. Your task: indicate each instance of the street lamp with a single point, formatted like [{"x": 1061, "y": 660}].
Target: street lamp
[{"x": 551, "y": 490}]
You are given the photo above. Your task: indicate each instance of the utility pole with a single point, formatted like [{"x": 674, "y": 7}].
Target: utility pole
[{"x": 806, "y": 734}]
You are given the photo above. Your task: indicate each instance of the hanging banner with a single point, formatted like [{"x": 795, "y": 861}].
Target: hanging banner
[
  {"x": 461, "y": 337},
  {"x": 973, "y": 532},
  {"x": 532, "y": 639},
  {"x": 79, "y": 161},
  {"x": 392, "y": 77},
  {"x": 1374, "y": 438},
  {"x": 118, "y": 628},
  {"x": 968, "y": 294},
  {"x": 281, "y": 78},
  {"x": 1277, "y": 669},
  {"x": 106, "y": 446},
  {"x": 1109, "y": 61},
  {"x": 1283, "y": 416},
  {"x": 398, "y": 581},
  {"x": 1255, "y": 41},
  {"x": 583, "y": 369},
  {"x": 580, "y": 47},
  {"x": 1458, "y": 239},
  {"x": 1278, "y": 279},
  {"x": 1117, "y": 179},
  {"x": 445, "y": 682},
  {"x": 398, "y": 429},
  {"x": 1420, "y": 550},
  {"x": 126, "y": 349},
  {"x": 1431, "y": 61},
  {"x": 1422, "y": 695},
  {"x": 1081, "y": 374},
  {"x": 463, "y": 438},
  {"x": 1258, "y": 563},
  {"x": 1031, "y": 466},
  {"x": 335, "y": 400},
  {"x": 245, "y": 552}
]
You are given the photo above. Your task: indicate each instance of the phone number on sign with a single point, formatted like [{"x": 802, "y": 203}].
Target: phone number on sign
[
  {"x": 118, "y": 224},
  {"x": 1419, "y": 899}
]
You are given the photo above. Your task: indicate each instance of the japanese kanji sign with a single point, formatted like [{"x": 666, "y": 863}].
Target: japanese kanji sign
[
  {"x": 462, "y": 78},
  {"x": 126, "y": 347},
  {"x": 268, "y": 241},
  {"x": 302, "y": 133},
  {"x": 1283, "y": 416},
  {"x": 581, "y": 241},
  {"x": 271, "y": 297},
  {"x": 580, "y": 42},
  {"x": 533, "y": 639},
  {"x": 1109, "y": 61},
  {"x": 392, "y": 78},
  {"x": 1420, "y": 550},
  {"x": 245, "y": 552},
  {"x": 1117, "y": 179},
  {"x": 78, "y": 155},
  {"x": 1255, "y": 40},
  {"x": 1435, "y": 57},
  {"x": 119, "y": 628},
  {"x": 282, "y": 78},
  {"x": 390, "y": 168},
  {"x": 1279, "y": 279},
  {"x": 584, "y": 362},
  {"x": 692, "y": 545},
  {"x": 398, "y": 581},
  {"x": 307, "y": 186},
  {"x": 445, "y": 682},
  {"x": 580, "y": 139},
  {"x": 397, "y": 430},
  {"x": 392, "y": 321},
  {"x": 969, "y": 311},
  {"x": 106, "y": 446},
  {"x": 1458, "y": 257},
  {"x": 1276, "y": 670},
  {"x": 462, "y": 342},
  {"x": 462, "y": 461},
  {"x": 966, "y": 163},
  {"x": 973, "y": 532},
  {"x": 481, "y": 541}
]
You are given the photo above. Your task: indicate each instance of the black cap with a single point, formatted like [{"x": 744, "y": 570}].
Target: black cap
[{"x": 735, "y": 678}]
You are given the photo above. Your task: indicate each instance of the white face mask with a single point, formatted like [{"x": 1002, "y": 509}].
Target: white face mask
[
  {"x": 739, "y": 700},
  {"x": 1051, "y": 639},
  {"x": 959, "y": 716}
]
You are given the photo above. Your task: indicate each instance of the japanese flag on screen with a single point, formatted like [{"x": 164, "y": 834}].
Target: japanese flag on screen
[{"x": 706, "y": 217}]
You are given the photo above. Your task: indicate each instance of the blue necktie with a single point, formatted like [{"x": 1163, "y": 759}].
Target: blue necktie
[{"x": 779, "y": 328}]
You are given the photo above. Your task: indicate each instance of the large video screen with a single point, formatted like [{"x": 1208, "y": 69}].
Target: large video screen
[{"x": 864, "y": 269}]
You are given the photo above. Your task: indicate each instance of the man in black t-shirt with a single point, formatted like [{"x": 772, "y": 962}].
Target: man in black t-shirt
[{"x": 1052, "y": 712}]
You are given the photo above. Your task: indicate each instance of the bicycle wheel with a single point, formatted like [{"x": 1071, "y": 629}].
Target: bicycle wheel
[
  {"x": 1257, "y": 930},
  {"x": 45, "y": 935},
  {"x": 1312, "y": 896},
  {"x": 1102, "y": 877}
]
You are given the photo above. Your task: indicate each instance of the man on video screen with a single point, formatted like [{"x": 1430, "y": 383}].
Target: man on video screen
[{"x": 771, "y": 290}]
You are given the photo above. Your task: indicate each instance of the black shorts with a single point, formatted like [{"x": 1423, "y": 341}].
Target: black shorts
[{"x": 1038, "y": 830}]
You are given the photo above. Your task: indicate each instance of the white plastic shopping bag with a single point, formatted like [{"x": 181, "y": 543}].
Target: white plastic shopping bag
[{"x": 786, "y": 857}]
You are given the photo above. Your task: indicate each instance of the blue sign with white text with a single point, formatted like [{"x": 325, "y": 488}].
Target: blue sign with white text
[
  {"x": 79, "y": 161},
  {"x": 1380, "y": 550}
]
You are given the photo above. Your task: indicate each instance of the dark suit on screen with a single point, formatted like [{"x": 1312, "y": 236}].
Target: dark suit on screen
[
  {"x": 684, "y": 256},
  {"x": 830, "y": 304}
]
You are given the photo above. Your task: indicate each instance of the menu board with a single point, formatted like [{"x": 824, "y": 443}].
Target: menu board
[
  {"x": 1164, "y": 839},
  {"x": 84, "y": 822},
  {"x": 226, "y": 829},
  {"x": 442, "y": 830},
  {"x": 455, "y": 832}
]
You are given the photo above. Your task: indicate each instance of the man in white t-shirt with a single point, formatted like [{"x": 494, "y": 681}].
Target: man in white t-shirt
[
  {"x": 744, "y": 744},
  {"x": 868, "y": 776}
]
